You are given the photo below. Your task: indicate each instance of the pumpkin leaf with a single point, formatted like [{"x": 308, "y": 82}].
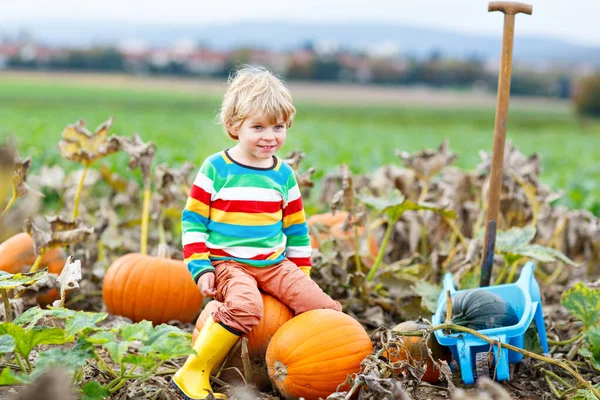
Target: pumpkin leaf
[
  {"x": 167, "y": 342},
  {"x": 141, "y": 154},
  {"x": 592, "y": 349},
  {"x": 30, "y": 317},
  {"x": 143, "y": 361},
  {"x": 429, "y": 294},
  {"x": 82, "y": 320},
  {"x": 8, "y": 377},
  {"x": 427, "y": 162},
  {"x": 117, "y": 350},
  {"x": 26, "y": 340},
  {"x": 10, "y": 281},
  {"x": 94, "y": 391},
  {"x": 62, "y": 233},
  {"x": 80, "y": 145},
  {"x": 139, "y": 331},
  {"x": 544, "y": 254},
  {"x": 70, "y": 359},
  {"x": 68, "y": 279},
  {"x": 586, "y": 394},
  {"x": 396, "y": 204},
  {"x": 583, "y": 303},
  {"x": 512, "y": 240},
  {"x": 169, "y": 346},
  {"x": 101, "y": 337},
  {"x": 7, "y": 344}
]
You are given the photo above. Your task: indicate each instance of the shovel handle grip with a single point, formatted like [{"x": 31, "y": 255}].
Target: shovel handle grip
[{"x": 510, "y": 7}]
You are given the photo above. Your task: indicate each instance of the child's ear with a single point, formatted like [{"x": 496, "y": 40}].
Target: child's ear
[{"x": 231, "y": 130}]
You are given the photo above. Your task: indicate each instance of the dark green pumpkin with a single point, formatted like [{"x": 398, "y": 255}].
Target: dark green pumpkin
[{"x": 479, "y": 309}]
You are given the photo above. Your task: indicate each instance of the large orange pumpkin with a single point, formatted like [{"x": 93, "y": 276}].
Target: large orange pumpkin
[
  {"x": 314, "y": 352},
  {"x": 275, "y": 314},
  {"x": 333, "y": 223},
  {"x": 143, "y": 287},
  {"x": 414, "y": 349},
  {"x": 17, "y": 254}
]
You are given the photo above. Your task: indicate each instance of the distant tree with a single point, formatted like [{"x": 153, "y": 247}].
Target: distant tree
[{"x": 586, "y": 96}]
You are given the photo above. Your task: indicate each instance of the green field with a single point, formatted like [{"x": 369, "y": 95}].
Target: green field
[{"x": 183, "y": 125}]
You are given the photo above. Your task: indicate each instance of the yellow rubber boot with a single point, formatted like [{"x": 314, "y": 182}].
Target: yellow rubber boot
[{"x": 212, "y": 345}]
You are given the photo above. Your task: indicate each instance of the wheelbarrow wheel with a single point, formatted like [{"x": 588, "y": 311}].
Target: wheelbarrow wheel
[{"x": 484, "y": 364}]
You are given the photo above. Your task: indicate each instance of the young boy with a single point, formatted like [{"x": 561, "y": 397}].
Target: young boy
[{"x": 244, "y": 227}]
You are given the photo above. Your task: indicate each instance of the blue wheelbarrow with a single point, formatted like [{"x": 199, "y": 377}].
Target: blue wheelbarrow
[{"x": 473, "y": 353}]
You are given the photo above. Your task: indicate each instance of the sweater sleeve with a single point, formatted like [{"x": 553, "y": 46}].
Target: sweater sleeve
[
  {"x": 298, "y": 248},
  {"x": 194, "y": 222}
]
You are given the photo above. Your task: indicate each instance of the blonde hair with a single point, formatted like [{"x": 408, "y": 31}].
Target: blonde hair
[{"x": 255, "y": 90}]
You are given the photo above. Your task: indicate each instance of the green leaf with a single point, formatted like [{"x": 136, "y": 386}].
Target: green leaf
[
  {"x": 143, "y": 361},
  {"x": 395, "y": 205},
  {"x": 170, "y": 346},
  {"x": 583, "y": 303},
  {"x": 82, "y": 320},
  {"x": 429, "y": 295},
  {"x": 7, "y": 344},
  {"x": 69, "y": 359},
  {"x": 95, "y": 391},
  {"x": 586, "y": 394},
  {"x": 26, "y": 340},
  {"x": 10, "y": 281},
  {"x": 168, "y": 342},
  {"x": 31, "y": 316},
  {"x": 8, "y": 377},
  {"x": 544, "y": 254},
  {"x": 102, "y": 337},
  {"x": 512, "y": 240},
  {"x": 592, "y": 349},
  {"x": 117, "y": 350},
  {"x": 140, "y": 331}
]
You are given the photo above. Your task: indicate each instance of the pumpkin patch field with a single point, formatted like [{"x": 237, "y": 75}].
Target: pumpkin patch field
[{"x": 97, "y": 302}]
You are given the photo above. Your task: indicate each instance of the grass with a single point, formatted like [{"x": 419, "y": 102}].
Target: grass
[{"x": 183, "y": 125}]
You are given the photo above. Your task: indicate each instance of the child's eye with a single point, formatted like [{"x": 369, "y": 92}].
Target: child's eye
[
  {"x": 278, "y": 127},
  {"x": 257, "y": 127}
]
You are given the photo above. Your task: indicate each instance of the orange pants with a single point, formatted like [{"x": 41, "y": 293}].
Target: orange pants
[{"x": 238, "y": 284}]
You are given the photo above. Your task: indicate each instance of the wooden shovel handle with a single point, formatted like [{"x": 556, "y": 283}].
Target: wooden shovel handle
[{"x": 509, "y": 7}]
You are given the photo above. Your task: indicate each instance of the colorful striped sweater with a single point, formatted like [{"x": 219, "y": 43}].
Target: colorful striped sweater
[{"x": 251, "y": 215}]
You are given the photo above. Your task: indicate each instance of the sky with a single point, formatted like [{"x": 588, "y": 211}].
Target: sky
[{"x": 572, "y": 20}]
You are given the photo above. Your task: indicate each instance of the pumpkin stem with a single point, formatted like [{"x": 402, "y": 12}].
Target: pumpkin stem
[
  {"x": 86, "y": 165},
  {"x": 280, "y": 371},
  {"x": 38, "y": 261},
  {"x": 163, "y": 250},
  {"x": 448, "y": 307},
  {"x": 7, "y": 310},
  {"x": 145, "y": 217},
  {"x": 356, "y": 249},
  {"x": 386, "y": 238},
  {"x": 12, "y": 200}
]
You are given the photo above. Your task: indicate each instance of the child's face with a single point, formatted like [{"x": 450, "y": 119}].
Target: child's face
[{"x": 259, "y": 140}]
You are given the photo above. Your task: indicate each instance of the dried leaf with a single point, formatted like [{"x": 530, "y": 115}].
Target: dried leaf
[
  {"x": 60, "y": 233},
  {"x": 140, "y": 154},
  {"x": 69, "y": 279},
  {"x": 428, "y": 163},
  {"x": 80, "y": 145}
]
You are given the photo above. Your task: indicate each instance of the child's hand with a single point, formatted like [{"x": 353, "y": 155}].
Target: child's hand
[{"x": 206, "y": 284}]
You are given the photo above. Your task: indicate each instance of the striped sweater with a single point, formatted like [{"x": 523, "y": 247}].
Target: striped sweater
[{"x": 251, "y": 215}]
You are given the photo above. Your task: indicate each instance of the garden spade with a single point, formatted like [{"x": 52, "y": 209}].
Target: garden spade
[{"x": 510, "y": 9}]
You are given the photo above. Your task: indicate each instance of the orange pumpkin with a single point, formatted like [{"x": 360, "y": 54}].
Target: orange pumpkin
[
  {"x": 314, "y": 352},
  {"x": 415, "y": 349},
  {"x": 143, "y": 287},
  {"x": 17, "y": 254},
  {"x": 275, "y": 314},
  {"x": 334, "y": 224}
]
